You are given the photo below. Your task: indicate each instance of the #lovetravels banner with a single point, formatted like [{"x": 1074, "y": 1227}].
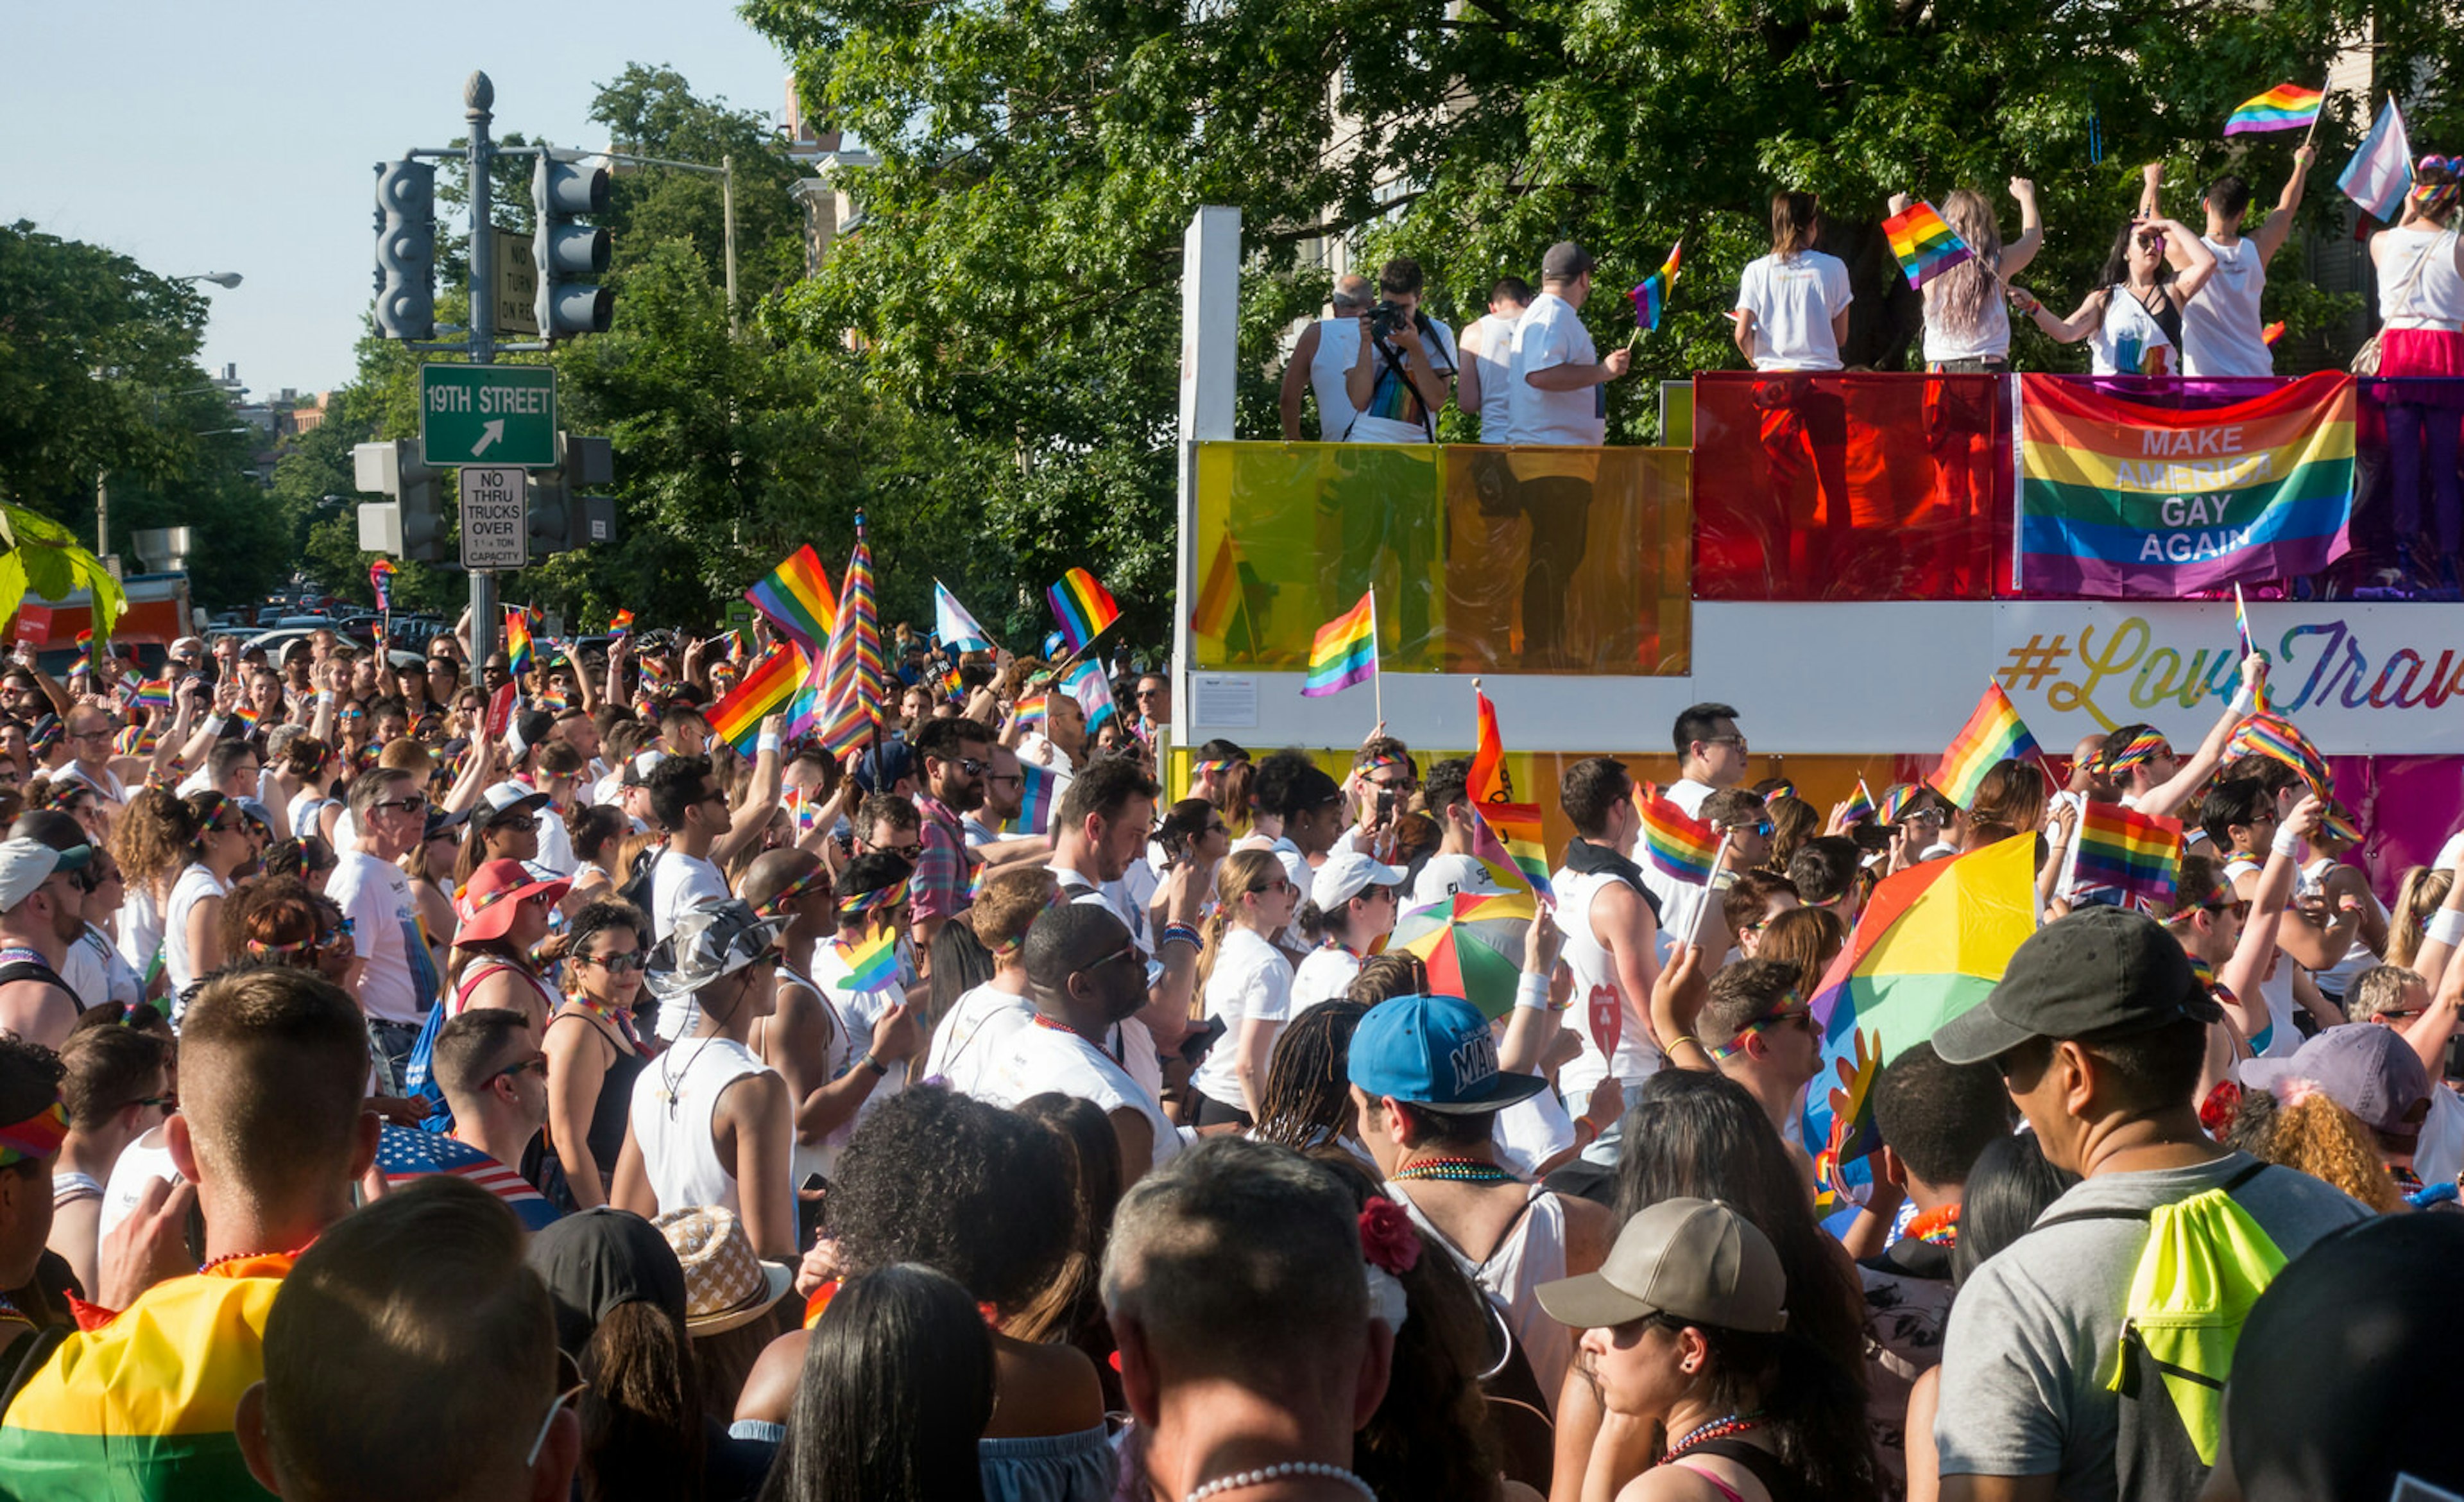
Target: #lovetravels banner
[{"x": 2123, "y": 495}]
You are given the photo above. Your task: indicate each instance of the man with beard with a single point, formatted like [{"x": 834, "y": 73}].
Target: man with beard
[
  {"x": 1085, "y": 978},
  {"x": 957, "y": 753},
  {"x": 42, "y": 911}
]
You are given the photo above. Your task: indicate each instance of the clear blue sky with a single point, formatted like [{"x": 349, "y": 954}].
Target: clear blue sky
[{"x": 239, "y": 136}]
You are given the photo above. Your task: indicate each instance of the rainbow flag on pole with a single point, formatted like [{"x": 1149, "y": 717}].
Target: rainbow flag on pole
[
  {"x": 620, "y": 623},
  {"x": 796, "y": 597},
  {"x": 765, "y": 689},
  {"x": 854, "y": 682},
  {"x": 1345, "y": 652},
  {"x": 2278, "y": 740},
  {"x": 2287, "y": 107},
  {"x": 1219, "y": 597},
  {"x": 1508, "y": 839},
  {"x": 1651, "y": 297},
  {"x": 517, "y": 641},
  {"x": 1993, "y": 733},
  {"x": 1488, "y": 782},
  {"x": 1083, "y": 607},
  {"x": 1925, "y": 244},
  {"x": 2138, "y": 854},
  {"x": 1678, "y": 844},
  {"x": 1860, "y": 807}
]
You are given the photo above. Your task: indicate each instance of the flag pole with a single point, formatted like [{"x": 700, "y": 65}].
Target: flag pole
[
  {"x": 2325, "y": 86},
  {"x": 1377, "y": 667},
  {"x": 1710, "y": 889}
]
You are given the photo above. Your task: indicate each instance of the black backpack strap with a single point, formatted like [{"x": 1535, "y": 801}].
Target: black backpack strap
[{"x": 17, "y": 970}]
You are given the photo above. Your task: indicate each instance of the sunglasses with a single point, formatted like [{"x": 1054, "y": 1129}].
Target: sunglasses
[
  {"x": 414, "y": 804},
  {"x": 536, "y": 1066},
  {"x": 1128, "y": 951},
  {"x": 618, "y": 964},
  {"x": 515, "y": 821}
]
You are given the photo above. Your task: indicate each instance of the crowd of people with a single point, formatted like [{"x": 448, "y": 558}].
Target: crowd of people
[{"x": 399, "y": 1101}]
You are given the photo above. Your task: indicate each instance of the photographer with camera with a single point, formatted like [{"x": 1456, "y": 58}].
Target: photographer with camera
[{"x": 1406, "y": 366}]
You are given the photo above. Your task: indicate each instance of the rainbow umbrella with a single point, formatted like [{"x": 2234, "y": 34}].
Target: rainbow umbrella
[{"x": 1472, "y": 944}]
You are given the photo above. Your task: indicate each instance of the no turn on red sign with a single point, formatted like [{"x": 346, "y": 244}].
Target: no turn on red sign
[{"x": 495, "y": 518}]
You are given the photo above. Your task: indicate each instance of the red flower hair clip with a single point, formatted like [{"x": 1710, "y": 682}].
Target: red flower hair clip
[{"x": 1388, "y": 1238}]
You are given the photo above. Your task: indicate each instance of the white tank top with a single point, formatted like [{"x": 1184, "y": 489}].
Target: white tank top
[
  {"x": 2120, "y": 343},
  {"x": 1338, "y": 350},
  {"x": 2220, "y": 329},
  {"x": 673, "y": 1102},
  {"x": 1531, "y": 1252},
  {"x": 1495, "y": 361},
  {"x": 2338, "y": 979},
  {"x": 1613, "y": 1027},
  {"x": 2435, "y": 298}
]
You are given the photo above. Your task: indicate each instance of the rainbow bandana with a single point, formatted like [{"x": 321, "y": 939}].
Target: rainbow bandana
[
  {"x": 37, "y": 1136},
  {"x": 875, "y": 901},
  {"x": 1202, "y": 770},
  {"x": 2141, "y": 747},
  {"x": 775, "y": 906}
]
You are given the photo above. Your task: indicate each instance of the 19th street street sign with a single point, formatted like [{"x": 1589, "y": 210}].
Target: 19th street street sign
[
  {"x": 488, "y": 415},
  {"x": 495, "y": 517}
]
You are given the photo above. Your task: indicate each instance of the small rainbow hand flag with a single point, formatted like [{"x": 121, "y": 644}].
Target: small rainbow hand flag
[
  {"x": 764, "y": 691},
  {"x": 797, "y": 598},
  {"x": 2287, "y": 107},
  {"x": 1083, "y": 607},
  {"x": 1859, "y": 807},
  {"x": 152, "y": 693},
  {"x": 2276, "y": 737},
  {"x": 620, "y": 623},
  {"x": 246, "y": 712},
  {"x": 1508, "y": 839},
  {"x": 1651, "y": 297},
  {"x": 1345, "y": 652},
  {"x": 1681, "y": 845},
  {"x": 518, "y": 642},
  {"x": 1925, "y": 246},
  {"x": 2137, "y": 854},
  {"x": 871, "y": 965},
  {"x": 1035, "y": 798},
  {"x": 1992, "y": 734},
  {"x": 2272, "y": 332}
]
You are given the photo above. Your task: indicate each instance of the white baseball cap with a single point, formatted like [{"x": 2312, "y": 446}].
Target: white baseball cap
[
  {"x": 1452, "y": 874},
  {"x": 1347, "y": 876},
  {"x": 26, "y": 864}
]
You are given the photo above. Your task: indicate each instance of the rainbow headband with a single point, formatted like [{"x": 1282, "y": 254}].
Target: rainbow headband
[
  {"x": 776, "y": 904},
  {"x": 889, "y": 897},
  {"x": 37, "y": 1136},
  {"x": 2431, "y": 199},
  {"x": 2140, "y": 747},
  {"x": 1213, "y": 768},
  {"x": 1719, "y": 1055}
]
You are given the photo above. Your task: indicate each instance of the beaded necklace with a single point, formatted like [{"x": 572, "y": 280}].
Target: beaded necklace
[
  {"x": 609, "y": 1012},
  {"x": 1454, "y": 1170},
  {"x": 1938, "y": 1227},
  {"x": 1716, "y": 1429},
  {"x": 1042, "y": 1021}
]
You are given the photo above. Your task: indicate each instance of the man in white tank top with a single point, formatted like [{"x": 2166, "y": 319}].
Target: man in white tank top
[
  {"x": 1322, "y": 362},
  {"x": 2221, "y": 328},
  {"x": 1611, "y": 928}
]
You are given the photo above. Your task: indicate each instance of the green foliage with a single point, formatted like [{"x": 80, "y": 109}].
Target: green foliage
[{"x": 43, "y": 558}]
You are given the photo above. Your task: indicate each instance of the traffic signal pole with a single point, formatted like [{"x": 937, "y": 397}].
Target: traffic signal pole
[{"x": 478, "y": 98}]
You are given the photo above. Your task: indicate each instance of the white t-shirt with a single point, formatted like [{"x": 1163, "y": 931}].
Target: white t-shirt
[
  {"x": 974, "y": 1035},
  {"x": 375, "y": 896},
  {"x": 1495, "y": 361},
  {"x": 97, "y": 973},
  {"x": 1396, "y": 413},
  {"x": 194, "y": 886},
  {"x": 1042, "y": 1059},
  {"x": 2220, "y": 328},
  {"x": 679, "y": 883},
  {"x": 1549, "y": 334},
  {"x": 1251, "y": 981},
  {"x": 555, "y": 845},
  {"x": 1324, "y": 975},
  {"x": 140, "y": 929},
  {"x": 1794, "y": 301}
]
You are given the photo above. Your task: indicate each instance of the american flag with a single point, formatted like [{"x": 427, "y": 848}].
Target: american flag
[{"x": 405, "y": 1154}]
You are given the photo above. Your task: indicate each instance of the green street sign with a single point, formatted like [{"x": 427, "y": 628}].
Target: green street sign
[{"x": 488, "y": 415}]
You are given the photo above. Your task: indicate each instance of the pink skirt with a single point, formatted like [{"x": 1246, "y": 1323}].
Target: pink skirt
[{"x": 2421, "y": 352}]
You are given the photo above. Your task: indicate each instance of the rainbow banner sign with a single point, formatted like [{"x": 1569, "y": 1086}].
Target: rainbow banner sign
[
  {"x": 2120, "y": 496},
  {"x": 2287, "y": 107},
  {"x": 1925, "y": 244}
]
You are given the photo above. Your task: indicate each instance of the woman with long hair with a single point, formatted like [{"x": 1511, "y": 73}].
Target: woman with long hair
[
  {"x": 504, "y": 918},
  {"x": 1808, "y": 938},
  {"x": 503, "y": 827},
  {"x": 593, "y": 1052},
  {"x": 218, "y": 847},
  {"x": 1967, "y": 328},
  {"x": 1069, "y": 1311},
  {"x": 315, "y": 767},
  {"x": 2421, "y": 307},
  {"x": 620, "y": 1300},
  {"x": 1309, "y": 1087},
  {"x": 2421, "y": 893},
  {"x": 1223, "y": 774},
  {"x": 1794, "y": 822},
  {"x": 429, "y": 866},
  {"x": 2133, "y": 320},
  {"x": 152, "y": 842},
  {"x": 2010, "y": 801},
  {"x": 1247, "y": 983},
  {"x": 896, "y": 1392},
  {"x": 597, "y": 833},
  {"x": 1792, "y": 310}
]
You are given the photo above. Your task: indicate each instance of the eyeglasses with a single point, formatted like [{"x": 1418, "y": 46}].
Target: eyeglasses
[
  {"x": 1738, "y": 741},
  {"x": 2239, "y": 910},
  {"x": 1149, "y": 694},
  {"x": 972, "y": 767},
  {"x": 556, "y": 1405},
  {"x": 1128, "y": 951},
  {"x": 998, "y": 778},
  {"x": 417, "y": 803},
  {"x": 515, "y": 821},
  {"x": 540, "y": 900},
  {"x": 905, "y": 852},
  {"x": 617, "y": 963},
  {"x": 220, "y": 828}
]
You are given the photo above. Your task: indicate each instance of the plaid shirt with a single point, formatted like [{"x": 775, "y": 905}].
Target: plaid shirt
[{"x": 944, "y": 879}]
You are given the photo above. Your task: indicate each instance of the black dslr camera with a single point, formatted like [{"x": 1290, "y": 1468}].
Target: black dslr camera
[{"x": 1388, "y": 318}]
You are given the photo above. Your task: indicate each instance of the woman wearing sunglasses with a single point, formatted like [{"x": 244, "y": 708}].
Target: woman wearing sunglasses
[
  {"x": 218, "y": 846},
  {"x": 503, "y": 827},
  {"x": 503, "y": 917},
  {"x": 593, "y": 1053}
]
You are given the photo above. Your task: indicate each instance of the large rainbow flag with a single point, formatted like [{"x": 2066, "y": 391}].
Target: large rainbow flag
[
  {"x": 1932, "y": 942},
  {"x": 1345, "y": 652},
  {"x": 767, "y": 689},
  {"x": 796, "y": 596},
  {"x": 1923, "y": 243},
  {"x": 1082, "y": 606},
  {"x": 2287, "y": 107},
  {"x": 1672, "y": 840},
  {"x": 1993, "y": 733},
  {"x": 854, "y": 682},
  {"x": 2137, "y": 854},
  {"x": 2123, "y": 495}
]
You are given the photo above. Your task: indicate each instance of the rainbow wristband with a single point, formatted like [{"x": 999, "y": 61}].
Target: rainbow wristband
[{"x": 1184, "y": 933}]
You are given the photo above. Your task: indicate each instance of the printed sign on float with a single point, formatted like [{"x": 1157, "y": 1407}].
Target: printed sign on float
[{"x": 495, "y": 518}]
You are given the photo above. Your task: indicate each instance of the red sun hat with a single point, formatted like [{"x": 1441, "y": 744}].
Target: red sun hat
[{"x": 486, "y": 904}]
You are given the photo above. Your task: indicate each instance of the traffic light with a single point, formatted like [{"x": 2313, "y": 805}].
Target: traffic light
[
  {"x": 405, "y": 249},
  {"x": 565, "y": 253},
  {"x": 413, "y": 523},
  {"x": 560, "y": 516}
]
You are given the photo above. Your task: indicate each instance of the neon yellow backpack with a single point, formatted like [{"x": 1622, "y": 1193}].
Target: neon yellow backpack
[{"x": 2205, "y": 1263}]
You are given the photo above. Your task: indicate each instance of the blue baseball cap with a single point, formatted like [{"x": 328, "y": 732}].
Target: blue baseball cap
[{"x": 1435, "y": 1052}]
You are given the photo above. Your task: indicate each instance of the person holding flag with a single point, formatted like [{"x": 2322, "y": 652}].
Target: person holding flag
[
  {"x": 2244, "y": 824},
  {"x": 2221, "y": 331},
  {"x": 1611, "y": 928},
  {"x": 1967, "y": 327},
  {"x": 2421, "y": 303}
]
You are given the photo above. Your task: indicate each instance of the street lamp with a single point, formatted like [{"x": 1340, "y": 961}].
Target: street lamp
[{"x": 220, "y": 278}]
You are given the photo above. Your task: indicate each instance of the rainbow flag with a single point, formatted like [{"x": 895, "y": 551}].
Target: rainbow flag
[
  {"x": 796, "y": 597},
  {"x": 2276, "y": 737},
  {"x": 2287, "y": 107},
  {"x": 1219, "y": 597},
  {"x": 1508, "y": 839},
  {"x": 1925, "y": 244},
  {"x": 764, "y": 690},
  {"x": 1895, "y": 799},
  {"x": 1038, "y": 791},
  {"x": 2138, "y": 854},
  {"x": 1859, "y": 807},
  {"x": 2257, "y": 488},
  {"x": 1993, "y": 733},
  {"x": 854, "y": 683},
  {"x": 143, "y": 1407},
  {"x": 246, "y": 712},
  {"x": 381, "y": 582},
  {"x": 620, "y": 623},
  {"x": 1345, "y": 652},
  {"x": 1488, "y": 781},
  {"x": 1932, "y": 942},
  {"x": 1094, "y": 691},
  {"x": 1029, "y": 710},
  {"x": 2272, "y": 333},
  {"x": 1650, "y": 298},
  {"x": 1083, "y": 607},
  {"x": 152, "y": 693},
  {"x": 1683, "y": 847},
  {"x": 873, "y": 963},
  {"x": 517, "y": 641}
]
